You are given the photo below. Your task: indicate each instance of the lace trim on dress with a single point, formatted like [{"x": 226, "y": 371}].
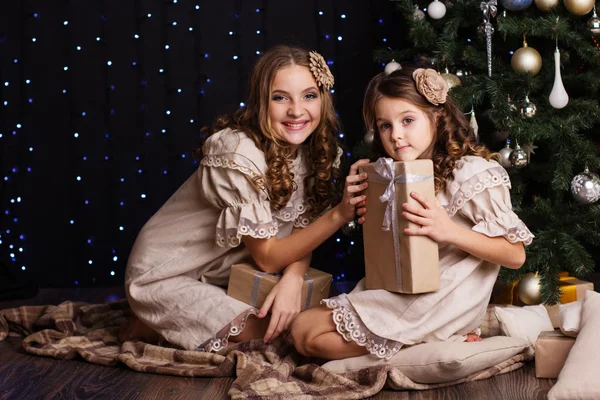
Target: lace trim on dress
[
  {"x": 496, "y": 176},
  {"x": 232, "y": 237},
  {"x": 351, "y": 327},
  {"x": 226, "y": 161},
  {"x": 234, "y": 328},
  {"x": 290, "y": 212},
  {"x": 302, "y": 221},
  {"x": 519, "y": 233}
]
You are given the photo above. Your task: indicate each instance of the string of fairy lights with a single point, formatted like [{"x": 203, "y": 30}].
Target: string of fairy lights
[{"x": 130, "y": 118}]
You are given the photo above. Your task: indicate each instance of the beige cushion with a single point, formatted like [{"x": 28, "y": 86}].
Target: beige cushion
[
  {"x": 569, "y": 318},
  {"x": 579, "y": 378},
  {"x": 438, "y": 362},
  {"x": 524, "y": 322}
]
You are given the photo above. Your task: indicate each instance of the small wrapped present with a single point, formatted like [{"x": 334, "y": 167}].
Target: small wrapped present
[
  {"x": 551, "y": 351},
  {"x": 250, "y": 285},
  {"x": 393, "y": 260}
]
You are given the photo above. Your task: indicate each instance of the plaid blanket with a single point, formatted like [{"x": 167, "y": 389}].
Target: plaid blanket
[{"x": 273, "y": 370}]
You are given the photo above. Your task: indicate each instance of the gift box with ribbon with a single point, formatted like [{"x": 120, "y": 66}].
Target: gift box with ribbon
[
  {"x": 551, "y": 351},
  {"x": 571, "y": 289},
  {"x": 395, "y": 261},
  {"x": 249, "y": 284}
]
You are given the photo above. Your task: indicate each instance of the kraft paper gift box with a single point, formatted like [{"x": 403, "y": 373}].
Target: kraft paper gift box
[
  {"x": 395, "y": 261},
  {"x": 551, "y": 351},
  {"x": 250, "y": 285},
  {"x": 572, "y": 289}
]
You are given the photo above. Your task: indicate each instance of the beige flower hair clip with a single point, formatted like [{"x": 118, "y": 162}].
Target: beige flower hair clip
[
  {"x": 320, "y": 70},
  {"x": 431, "y": 85}
]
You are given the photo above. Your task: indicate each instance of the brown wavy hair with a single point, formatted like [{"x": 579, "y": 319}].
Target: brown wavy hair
[
  {"x": 253, "y": 119},
  {"x": 453, "y": 137}
]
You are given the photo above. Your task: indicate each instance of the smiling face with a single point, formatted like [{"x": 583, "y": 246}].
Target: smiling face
[
  {"x": 295, "y": 105},
  {"x": 406, "y": 132}
]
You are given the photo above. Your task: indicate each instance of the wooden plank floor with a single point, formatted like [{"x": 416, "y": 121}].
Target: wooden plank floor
[{"x": 23, "y": 376}]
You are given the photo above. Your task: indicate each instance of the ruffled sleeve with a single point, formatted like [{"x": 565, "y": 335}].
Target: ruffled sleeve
[
  {"x": 480, "y": 191},
  {"x": 232, "y": 179}
]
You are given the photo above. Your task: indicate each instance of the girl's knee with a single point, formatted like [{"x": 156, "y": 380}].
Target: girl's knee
[{"x": 306, "y": 327}]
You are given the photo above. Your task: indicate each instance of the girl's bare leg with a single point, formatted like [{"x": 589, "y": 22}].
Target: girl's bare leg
[{"x": 314, "y": 334}]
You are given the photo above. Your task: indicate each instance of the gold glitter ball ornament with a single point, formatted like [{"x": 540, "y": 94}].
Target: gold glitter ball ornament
[{"x": 451, "y": 79}]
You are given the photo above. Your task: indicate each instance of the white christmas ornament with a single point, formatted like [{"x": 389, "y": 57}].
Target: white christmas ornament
[
  {"x": 474, "y": 125},
  {"x": 436, "y": 9},
  {"x": 391, "y": 67},
  {"x": 558, "y": 97}
]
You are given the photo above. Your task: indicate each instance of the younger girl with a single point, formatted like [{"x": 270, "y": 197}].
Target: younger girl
[
  {"x": 262, "y": 192},
  {"x": 472, "y": 221}
]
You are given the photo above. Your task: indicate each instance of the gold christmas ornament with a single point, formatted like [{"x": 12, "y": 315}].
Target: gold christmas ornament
[
  {"x": 579, "y": 7},
  {"x": 529, "y": 290},
  {"x": 526, "y": 59},
  {"x": 451, "y": 79},
  {"x": 546, "y": 5}
]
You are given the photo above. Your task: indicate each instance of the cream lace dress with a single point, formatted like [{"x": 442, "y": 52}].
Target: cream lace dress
[
  {"x": 179, "y": 266},
  {"x": 477, "y": 197}
]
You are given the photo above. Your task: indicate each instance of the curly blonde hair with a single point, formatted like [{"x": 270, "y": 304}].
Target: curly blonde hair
[
  {"x": 253, "y": 119},
  {"x": 453, "y": 137}
]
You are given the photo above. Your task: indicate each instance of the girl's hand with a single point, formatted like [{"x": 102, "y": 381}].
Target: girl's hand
[
  {"x": 353, "y": 202},
  {"x": 434, "y": 220},
  {"x": 285, "y": 299}
]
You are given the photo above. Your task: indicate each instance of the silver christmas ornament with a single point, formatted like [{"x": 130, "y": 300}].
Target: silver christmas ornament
[
  {"x": 391, "y": 67},
  {"x": 585, "y": 187},
  {"x": 418, "y": 14},
  {"x": 594, "y": 23},
  {"x": 505, "y": 154},
  {"x": 350, "y": 228},
  {"x": 528, "y": 109},
  {"x": 518, "y": 158}
]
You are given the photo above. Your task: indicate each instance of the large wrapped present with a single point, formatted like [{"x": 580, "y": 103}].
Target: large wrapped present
[
  {"x": 395, "y": 261},
  {"x": 551, "y": 351},
  {"x": 250, "y": 285}
]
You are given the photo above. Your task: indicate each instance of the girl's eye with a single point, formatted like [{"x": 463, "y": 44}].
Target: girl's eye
[
  {"x": 277, "y": 98},
  {"x": 408, "y": 120},
  {"x": 384, "y": 126},
  {"x": 311, "y": 96}
]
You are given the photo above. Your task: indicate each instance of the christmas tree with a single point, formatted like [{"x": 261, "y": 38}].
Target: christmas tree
[{"x": 528, "y": 76}]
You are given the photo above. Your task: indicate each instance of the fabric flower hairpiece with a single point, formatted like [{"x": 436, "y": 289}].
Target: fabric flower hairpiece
[
  {"x": 431, "y": 85},
  {"x": 320, "y": 70}
]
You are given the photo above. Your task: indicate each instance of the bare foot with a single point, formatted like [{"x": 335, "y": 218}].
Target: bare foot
[
  {"x": 136, "y": 329},
  {"x": 472, "y": 337}
]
